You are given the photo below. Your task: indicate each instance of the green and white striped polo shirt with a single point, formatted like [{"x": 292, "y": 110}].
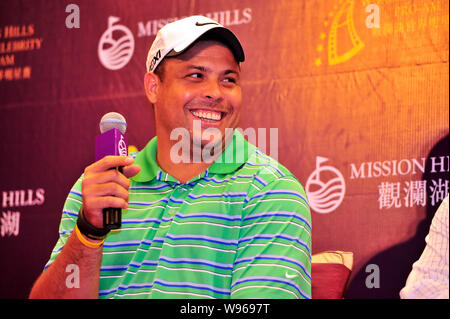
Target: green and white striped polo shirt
[{"x": 241, "y": 229}]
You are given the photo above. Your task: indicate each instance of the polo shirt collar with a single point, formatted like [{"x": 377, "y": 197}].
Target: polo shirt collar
[
  {"x": 235, "y": 155},
  {"x": 146, "y": 159}
]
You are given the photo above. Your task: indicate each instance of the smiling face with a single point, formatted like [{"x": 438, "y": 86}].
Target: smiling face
[{"x": 200, "y": 89}]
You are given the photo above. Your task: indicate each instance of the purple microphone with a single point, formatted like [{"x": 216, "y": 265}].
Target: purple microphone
[{"x": 112, "y": 141}]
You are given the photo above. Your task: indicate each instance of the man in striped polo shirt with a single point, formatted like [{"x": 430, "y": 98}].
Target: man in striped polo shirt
[{"x": 219, "y": 220}]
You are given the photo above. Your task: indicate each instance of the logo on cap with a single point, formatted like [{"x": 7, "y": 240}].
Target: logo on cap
[
  {"x": 155, "y": 59},
  {"x": 198, "y": 24}
]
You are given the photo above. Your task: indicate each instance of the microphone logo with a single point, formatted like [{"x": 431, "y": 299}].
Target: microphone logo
[
  {"x": 116, "y": 45},
  {"x": 122, "y": 147}
]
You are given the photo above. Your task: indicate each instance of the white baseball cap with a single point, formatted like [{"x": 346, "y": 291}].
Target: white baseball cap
[{"x": 177, "y": 36}]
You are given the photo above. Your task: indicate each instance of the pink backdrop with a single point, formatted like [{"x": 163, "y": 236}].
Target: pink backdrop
[{"x": 355, "y": 91}]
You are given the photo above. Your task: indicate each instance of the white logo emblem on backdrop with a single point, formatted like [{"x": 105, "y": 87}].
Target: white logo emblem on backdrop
[
  {"x": 116, "y": 45},
  {"x": 325, "y": 187}
]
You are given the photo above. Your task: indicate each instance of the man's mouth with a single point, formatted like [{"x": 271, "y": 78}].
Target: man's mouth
[{"x": 208, "y": 115}]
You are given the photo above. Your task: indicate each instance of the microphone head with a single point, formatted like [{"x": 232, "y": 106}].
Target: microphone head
[{"x": 113, "y": 120}]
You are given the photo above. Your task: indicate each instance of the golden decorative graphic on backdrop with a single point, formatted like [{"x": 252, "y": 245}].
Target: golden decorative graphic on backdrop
[
  {"x": 340, "y": 42},
  {"x": 343, "y": 18}
]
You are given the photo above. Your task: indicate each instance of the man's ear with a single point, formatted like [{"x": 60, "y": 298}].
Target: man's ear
[{"x": 152, "y": 83}]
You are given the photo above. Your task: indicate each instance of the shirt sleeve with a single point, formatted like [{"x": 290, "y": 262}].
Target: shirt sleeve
[
  {"x": 68, "y": 221},
  {"x": 273, "y": 257},
  {"x": 429, "y": 276}
]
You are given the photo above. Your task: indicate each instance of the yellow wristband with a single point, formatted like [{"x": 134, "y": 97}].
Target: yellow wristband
[{"x": 86, "y": 242}]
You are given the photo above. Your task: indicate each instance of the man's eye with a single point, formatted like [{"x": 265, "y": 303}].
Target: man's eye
[
  {"x": 230, "y": 80},
  {"x": 195, "y": 75}
]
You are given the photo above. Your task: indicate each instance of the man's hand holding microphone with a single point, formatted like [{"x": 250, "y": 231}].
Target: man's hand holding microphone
[
  {"x": 105, "y": 187},
  {"x": 105, "y": 183}
]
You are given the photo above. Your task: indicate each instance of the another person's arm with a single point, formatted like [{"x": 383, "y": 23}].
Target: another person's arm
[{"x": 429, "y": 276}]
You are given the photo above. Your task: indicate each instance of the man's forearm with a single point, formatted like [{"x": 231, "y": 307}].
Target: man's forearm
[{"x": 75, "y": 273}]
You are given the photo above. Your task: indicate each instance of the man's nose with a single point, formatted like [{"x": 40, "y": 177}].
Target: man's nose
[{"x": 213, "y": 90}]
